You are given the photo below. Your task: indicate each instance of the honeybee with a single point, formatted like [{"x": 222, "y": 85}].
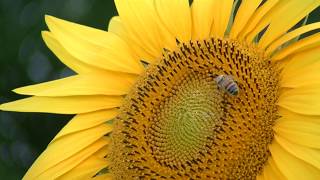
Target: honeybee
[{"x": 228, "y": 84}]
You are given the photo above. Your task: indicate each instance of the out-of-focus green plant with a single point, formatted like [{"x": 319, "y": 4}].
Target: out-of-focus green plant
[{"x": 24, "y": 60}]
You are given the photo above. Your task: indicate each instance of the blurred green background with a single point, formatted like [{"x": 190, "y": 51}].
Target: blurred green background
[{"x": 25, "y": 60}]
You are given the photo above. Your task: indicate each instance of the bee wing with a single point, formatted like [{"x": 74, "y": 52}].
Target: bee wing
[
  {"x": 218, "y": 78},
  {"x": 230, "y": 77}
]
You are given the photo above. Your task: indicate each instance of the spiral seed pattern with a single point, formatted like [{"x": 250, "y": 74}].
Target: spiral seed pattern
[
  {"x": 176, "y": 123},
  {"x": 182, "y": 124}
]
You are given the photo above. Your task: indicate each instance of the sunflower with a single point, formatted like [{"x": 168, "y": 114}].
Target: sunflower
[{"x": 212, "y": 90}]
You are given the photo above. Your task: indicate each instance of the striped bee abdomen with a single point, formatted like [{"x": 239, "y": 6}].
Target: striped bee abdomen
[{"x": 228, "y": 84}]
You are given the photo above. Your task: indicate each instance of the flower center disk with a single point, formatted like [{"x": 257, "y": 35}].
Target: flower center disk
[{"x": 178, "y": 123}]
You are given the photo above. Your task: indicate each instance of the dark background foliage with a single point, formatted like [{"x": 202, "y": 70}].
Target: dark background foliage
[{"x": 25, "y": 60}]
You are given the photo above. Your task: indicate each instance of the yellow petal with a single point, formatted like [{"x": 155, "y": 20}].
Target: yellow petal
[
  {"x": 63, "y": 105},
  {"x": 303, "y": 100},
  {"x": 109, "y": 83},
  {"x": 300, "y": 129},
  {"x": 202, "y": 18},
  {"x": 141, "y": 20},
  {"x": 88, "y": 168},
  {"x": 56, "y": 159},
  {"x": 287, "y": 115},
  {"x": 304, "y": 77},
  {"x": 117, "y": 27},
  {"x": 291, "y": 35},
  {"x": 302, "y": 69},
  {"x": 221, "y": 14},
  {"x": 260, "y": 177},
  {"x": 271, "y": 172},
  {"x": 246, "y": 9},
  {"x": 309, "y": 155},
  {"x": 85, "y": 121},
  {"x": 292, "y": 167},
  {"x": 301, "y": 138},
  {"x": 65, "y": 57},
  {"x": 95, "y": 47},
  {"x": 294, "y": 12},
  {"x": 68, "y": 164},
  {"x": 176, "y": 17},
  {"x": 103, "y": 177},
  {"x": 261, "y": 18},
  {"x": 299, "y": 46}
]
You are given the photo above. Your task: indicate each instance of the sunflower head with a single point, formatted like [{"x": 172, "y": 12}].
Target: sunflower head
[{"x": 178, "y": 123}]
